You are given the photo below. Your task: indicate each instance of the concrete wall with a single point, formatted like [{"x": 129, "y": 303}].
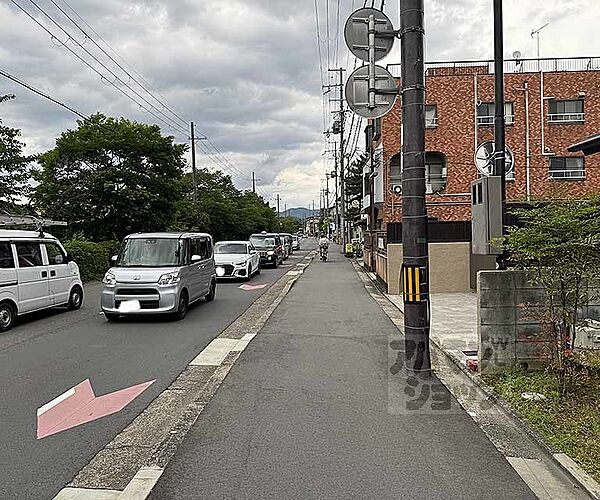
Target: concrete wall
[
  {"x": 449, "y": 267},
  {"x": 508, "y": 330}
]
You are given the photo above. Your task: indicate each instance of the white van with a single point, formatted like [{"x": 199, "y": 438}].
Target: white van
[
  {"x": 35, "y": 273},
  {"x": 159, "y": 273}
]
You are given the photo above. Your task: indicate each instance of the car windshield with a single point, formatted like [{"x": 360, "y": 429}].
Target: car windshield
[
  {"x": 262, "y": 241},
  {"x": 150, "y": 252},
  {"x": 240, "y": 248}
]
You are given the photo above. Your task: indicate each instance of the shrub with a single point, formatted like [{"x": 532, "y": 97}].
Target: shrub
[{"x": 92, "y": 258}]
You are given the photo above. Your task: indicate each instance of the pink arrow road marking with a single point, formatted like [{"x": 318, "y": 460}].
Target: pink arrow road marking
[
  {"x": 249, "y": 288},
  {"x": 80, "y": 405}
]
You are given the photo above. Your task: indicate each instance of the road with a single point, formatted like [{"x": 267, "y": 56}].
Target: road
[{"x": 47, "y": 354}]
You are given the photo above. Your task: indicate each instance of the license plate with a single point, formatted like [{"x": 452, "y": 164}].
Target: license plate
[{"x": 129, "y": 306}]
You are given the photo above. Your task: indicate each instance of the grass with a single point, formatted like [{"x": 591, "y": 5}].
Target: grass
[{"x": 570, "y": 423}]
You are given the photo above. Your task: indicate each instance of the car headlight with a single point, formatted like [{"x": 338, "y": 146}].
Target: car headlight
[
  {"x": 270, "y": 252},
  {"x": 241, "y": 264},
  {"x": 109, "y": 279},
  {"x": 169, "y": 278}
]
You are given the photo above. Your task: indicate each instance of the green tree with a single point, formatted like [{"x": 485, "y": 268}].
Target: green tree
[
  {"x": 354, "y": 184},
  {"x": 560, "y": 243},
  {"x": 289, "y": 225},
  {"x": 14, "y": 166},
  {"x": 111, "y": 177},
  {"x": 222, "y": 210}
]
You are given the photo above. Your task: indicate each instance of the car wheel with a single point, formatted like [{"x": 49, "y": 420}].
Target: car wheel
[
  {"x": 258, "y": 269},
  {"x": 211, "y": 294},
  {"x": 248, "y": 273},
  {"x": 8, "y": 315},
  {"x": 182, "y": 308},
  {"x": 111, "y": 317},
  {"x": 75, "y": 299}
]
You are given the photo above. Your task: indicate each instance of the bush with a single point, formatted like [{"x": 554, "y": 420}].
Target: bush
[{"x": 92, "y": 258}]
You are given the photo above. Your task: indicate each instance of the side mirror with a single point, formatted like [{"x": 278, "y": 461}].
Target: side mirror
[
  {"x": 59, "y": 259},
  {"x": 196, "y": 258}
]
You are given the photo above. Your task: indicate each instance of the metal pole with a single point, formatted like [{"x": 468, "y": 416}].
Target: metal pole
[
  {"x": 372, "y": 221},
  {"x": 337, "y": 201},
  {"x": 414, "y": 209},
  {"x": 499, "y": 120},
  {"x": 342, "y": 166},
  {"x": 372, "y": 49},
  {"x": 278, "y": 223},
  {"x": 194, "y": 182},
  {"x": 253, "y": 183}
]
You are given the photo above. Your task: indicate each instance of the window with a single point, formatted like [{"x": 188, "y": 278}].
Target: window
[
  {"x": 29, "y": 254},
  {"x": 396, "y": 168},
  {"x": 567, "y": 111},
  {"x": 436, "y": 175},
  {"x": 487, "y": 110},
  {"x": 201, "y": 247},
  {"x": 566, "y": 168},
  {"x": 431, "y": 119},
  {"x": 6, "y": 256},
  {"x": 55, "y": 254}
]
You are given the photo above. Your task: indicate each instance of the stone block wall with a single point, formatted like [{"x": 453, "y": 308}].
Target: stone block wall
[{"x": 508, "y": 328}]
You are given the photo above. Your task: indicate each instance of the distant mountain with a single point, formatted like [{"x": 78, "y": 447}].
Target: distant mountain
[{"x": 299, "y": 213}]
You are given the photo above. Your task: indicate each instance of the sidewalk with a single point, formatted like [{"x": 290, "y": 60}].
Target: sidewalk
[{"x": 311, "y": 410}]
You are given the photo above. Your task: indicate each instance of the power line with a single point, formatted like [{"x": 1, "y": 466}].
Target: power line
[
  {"x": 113, "y": 60},
  {"x": 42, "y": 94}
]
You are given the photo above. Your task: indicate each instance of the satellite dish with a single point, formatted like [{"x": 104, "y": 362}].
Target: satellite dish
[
  {"x": 516, "y": 54},
  {"x": 484, "y": 159}
]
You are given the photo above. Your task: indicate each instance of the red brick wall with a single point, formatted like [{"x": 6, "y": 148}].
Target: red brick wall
[{"x": 455, "y": 137}]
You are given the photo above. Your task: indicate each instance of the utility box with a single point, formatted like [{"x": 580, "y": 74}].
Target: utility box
[{"x": 486, "y": 214}]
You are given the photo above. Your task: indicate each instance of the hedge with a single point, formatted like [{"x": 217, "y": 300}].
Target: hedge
[{"x": 92, "y": 258}]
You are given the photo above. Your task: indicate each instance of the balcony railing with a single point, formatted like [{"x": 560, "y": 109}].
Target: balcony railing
[
  {"x": 567, "y": 174},
  {"x": 566, "y": 117},
  {"x": 489, "y": 120},
  {"x": 431, "y": 122},
  {"x": 486, "y": 67}
]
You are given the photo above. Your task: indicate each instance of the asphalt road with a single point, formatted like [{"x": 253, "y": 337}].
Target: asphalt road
[
  {"x": 311, "y": 410},
  {"x": 47, "y": 354}
]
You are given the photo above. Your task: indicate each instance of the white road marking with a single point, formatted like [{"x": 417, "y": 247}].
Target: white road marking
[
  {"x": 243, "y": 342},
  {"x": 51, "y": 404},
  {"x": 293, "y": 273},
  {"x": 142, "y": 483},
  {"x": 87, "y": 494},
  {"x": 215, "y": 352}
]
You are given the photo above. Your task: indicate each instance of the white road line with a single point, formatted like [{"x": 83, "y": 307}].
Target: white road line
[
  {"x": 142, "y": 483},
  {"x": 293, "y": 273},
  {"x": 51, "y": 404},
  {"x": 87, "y": 494},
  {"x": 215, "y": 352},
  {"x": 243, "y": 342}
]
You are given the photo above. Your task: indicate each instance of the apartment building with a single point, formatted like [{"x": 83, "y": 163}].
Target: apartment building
[{"x": 550, "y": 104}]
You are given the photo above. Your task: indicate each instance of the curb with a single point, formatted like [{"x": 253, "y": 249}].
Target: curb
[
  {"x": 562, "y": 460},
  {"x": 151, "y": 468}
]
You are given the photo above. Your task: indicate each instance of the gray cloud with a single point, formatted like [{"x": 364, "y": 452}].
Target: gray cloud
[{"x": 246, "y": 71}]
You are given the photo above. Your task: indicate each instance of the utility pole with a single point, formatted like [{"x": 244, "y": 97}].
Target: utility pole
[
  {"x": 278, "y": 221},
  {"x": 337, "y": 200},
  {"x": 194, "y": 182},
  {"x": 372, "y": 200},
  {"x": 253, "y": 183},
  {"x": 499, "y": 119},
  {"x": 414, "y": 209},
  {"x": 342, "y": 166}
]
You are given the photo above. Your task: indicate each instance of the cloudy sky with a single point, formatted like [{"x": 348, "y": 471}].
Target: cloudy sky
[{"x": 246, "y": 71}]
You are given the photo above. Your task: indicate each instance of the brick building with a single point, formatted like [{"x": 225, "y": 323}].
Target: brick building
[{"x": 550, "y": 104}]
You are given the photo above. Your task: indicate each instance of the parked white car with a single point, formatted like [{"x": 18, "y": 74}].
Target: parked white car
[
  {"x": 236, "y": 259},
  {"x": 35, "y": 273},
  {"x": 159, "y": 273}
]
